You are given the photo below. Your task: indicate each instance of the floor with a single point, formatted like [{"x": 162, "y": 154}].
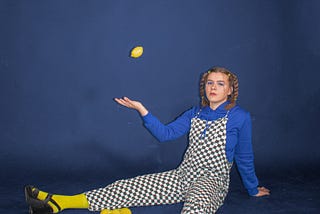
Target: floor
[{"x": 292, "y": 192}]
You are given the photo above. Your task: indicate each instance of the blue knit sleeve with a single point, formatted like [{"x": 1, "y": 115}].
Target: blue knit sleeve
[
  {"x": 179, "y": 127},
  {"x": 244, "y": 157}
]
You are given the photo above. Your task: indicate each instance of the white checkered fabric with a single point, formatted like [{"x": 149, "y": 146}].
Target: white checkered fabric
[
  {"x": 206, "y": 195},
  {"x": 150, "y": 189},
  {"x": 201, "y": 181}
]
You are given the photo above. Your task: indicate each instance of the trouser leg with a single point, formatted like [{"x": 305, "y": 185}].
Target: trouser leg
[
  {"x": 205, "y": 195},
  {"x": 150, "y": 189}
]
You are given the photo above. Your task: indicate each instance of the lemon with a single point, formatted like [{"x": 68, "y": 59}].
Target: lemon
[
  {"x": 116, "y": 211},
  {"x": 136, "y": 52},
  {"x": 105, "y": 212},
  {"x": 125, "y": 211}
]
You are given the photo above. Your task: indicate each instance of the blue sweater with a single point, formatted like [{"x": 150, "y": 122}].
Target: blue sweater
[{"x": 238, "y": 142}]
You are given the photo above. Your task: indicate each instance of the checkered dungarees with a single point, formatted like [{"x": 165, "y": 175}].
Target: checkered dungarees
[{"x": 201, "y": 181}]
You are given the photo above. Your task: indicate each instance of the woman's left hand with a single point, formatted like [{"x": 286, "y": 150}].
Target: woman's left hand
[{"x": 262, "y": 192}]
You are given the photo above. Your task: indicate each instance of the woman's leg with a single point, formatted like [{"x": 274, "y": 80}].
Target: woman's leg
[
  {"x": 150, "y": 189},
  {"x": 206, "y": 195}
]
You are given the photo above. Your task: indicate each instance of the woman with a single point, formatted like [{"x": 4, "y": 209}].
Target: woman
[{"x": 219, "y": 133}]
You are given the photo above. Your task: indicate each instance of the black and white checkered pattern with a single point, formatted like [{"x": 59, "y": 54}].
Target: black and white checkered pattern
[
  {"x": 150, "y": 189},
  {"x": 201, "y": 181},
  {"x": 206, "y": 195},
  {"x": 207, "y": 146},
  {"x": 205, "y": 167}
]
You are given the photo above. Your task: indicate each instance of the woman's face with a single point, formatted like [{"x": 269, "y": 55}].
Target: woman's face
[{"x": 217, "y": 89}]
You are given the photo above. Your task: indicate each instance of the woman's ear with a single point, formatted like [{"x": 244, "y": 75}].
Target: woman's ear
[{"x": 230, "y": 90}]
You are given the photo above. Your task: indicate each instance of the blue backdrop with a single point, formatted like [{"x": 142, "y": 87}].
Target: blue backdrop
[{"x": 63, "y": 62}]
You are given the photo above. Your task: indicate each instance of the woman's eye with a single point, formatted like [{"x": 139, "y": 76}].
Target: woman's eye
[
  {"x": 209, "y": 83},
  {"x": 220, "y": 83}
]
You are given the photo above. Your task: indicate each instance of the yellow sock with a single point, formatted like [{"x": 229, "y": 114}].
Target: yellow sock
[{"x": 65, "y": 201}]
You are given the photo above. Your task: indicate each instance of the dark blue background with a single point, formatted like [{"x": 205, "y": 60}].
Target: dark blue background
[{"x": 63, "y": 62}]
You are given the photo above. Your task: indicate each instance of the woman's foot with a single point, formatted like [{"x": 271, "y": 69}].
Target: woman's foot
[{"x": 44, "y": 205}]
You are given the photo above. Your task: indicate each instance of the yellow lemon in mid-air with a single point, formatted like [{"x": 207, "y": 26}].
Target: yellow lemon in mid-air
[{"x": 136, "y": 52}]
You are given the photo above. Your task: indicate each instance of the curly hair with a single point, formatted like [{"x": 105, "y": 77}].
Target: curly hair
[{"x": 233, "y": 82}]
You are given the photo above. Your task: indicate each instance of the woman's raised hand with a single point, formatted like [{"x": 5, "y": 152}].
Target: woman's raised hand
[{"x": 125, "y": 101}]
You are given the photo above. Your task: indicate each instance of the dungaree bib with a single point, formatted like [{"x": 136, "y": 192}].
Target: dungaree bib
[{"x": 201, "y": 181}]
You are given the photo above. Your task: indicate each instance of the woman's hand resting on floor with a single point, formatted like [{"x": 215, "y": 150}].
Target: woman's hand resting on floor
[{"x": 262, "y": 192}]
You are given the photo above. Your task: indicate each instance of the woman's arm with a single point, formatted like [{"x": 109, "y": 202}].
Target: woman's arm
[
  {"x": 245, "y": 160},
  {"x": 162, "y": 132},
  {"x": 125, "y": 101}
]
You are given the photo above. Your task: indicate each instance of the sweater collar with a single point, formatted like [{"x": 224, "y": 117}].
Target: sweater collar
[{"x": 220, "y": 110}]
